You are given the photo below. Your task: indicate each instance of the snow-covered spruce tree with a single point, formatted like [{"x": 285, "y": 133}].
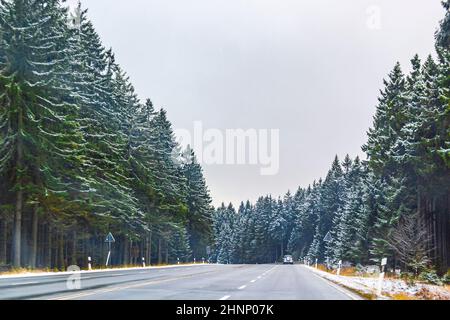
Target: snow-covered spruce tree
[
  {"x": 313, "y": 212},
  {"x": 332, "y": 200},
  {"x": 390, "y": 118},
  {"x": 107, "y": 104},
  {"x": 443, "y": 35},
  {"x": 247, "y": 233},
  {"x": 290, "y": 213},
  {"x": 243, "y": 234},
  {"x": 301, "y": 234},
  {"x": 141, "y": 159},
  {"x": 278, "y": 229},
  {"x": 169, "y": 181},
  {"x": 223, "y": 226},
  {"x": 42, "y": 148},
  {"x": 179, "y": 248},
  {"x": 351, "y": 225},
  {"x": 199, "y": 204}
]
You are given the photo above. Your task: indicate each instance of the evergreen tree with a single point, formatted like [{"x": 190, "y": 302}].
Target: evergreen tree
[
  {"x": 41, "y": 147},
  {"x": 443, "y": 35},
  {"x": 199, "y": 204}
]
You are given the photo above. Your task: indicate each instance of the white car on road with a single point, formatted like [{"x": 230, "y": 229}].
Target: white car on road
[{"x": 288, "y": 259}]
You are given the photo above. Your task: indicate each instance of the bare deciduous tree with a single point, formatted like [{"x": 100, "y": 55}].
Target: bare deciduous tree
[{"x": 411, "y": 241}]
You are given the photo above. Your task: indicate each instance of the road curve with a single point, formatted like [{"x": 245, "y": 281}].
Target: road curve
[{"x": 200, "y": 282}]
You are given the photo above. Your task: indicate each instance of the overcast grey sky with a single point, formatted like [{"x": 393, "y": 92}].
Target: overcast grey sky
[{"x": 311, "y": 68}]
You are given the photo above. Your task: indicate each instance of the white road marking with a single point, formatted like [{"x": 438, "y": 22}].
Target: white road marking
[
  {"x": 253, "y": 281},
  {"x": 224, "y": 298},
  {"x": 47, "y": 274},
  {"x": 242, "y": 287},
  {"x": 23, "y": 283},
  {"x": 353, "y": 297}
]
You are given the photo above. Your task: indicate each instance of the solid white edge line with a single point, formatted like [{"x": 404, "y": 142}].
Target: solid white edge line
[
  {"x": 337, "y": 287},
  {"x": 23, "y": 283}
]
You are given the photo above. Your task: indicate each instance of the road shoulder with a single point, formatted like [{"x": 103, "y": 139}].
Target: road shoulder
[{"x": 351, "y": 292}]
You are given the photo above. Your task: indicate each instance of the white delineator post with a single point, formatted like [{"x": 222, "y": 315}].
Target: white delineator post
[
  {"x": 109, "y": 256},
  {"x": 178, "y": 260},
  {"x": 143, "y": 262},
  {"x": 339, "y": 267},
  {"x": 194, "y": 260},
  {"x": 316, "y": 262},
  {"x": 381, "y": 277},
  {"x": 89, "y": 264}
]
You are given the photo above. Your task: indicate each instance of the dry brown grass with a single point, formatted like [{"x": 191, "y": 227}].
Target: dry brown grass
[
  {"x": 18, "y": 271},
  {"x": 322, "y": 267},
  {"x": 349, "y": 272},
  {"x": 402, "y": 296}
]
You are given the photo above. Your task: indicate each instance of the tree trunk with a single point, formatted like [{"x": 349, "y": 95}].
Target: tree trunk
[
  {"x": 125, "y": 251},
  {"x": 159, "y": 251},
  {"x": 73, "y": 260},
  {"x": 48, "y": 256},
  {"x": 19, "y": 195},
  {"x": 17, "y": 229},
  {"x": 166, "y": 246},
  {"x": 61, "y": 251},
  {"x": 3, "y": 241},
  {"x": 282, "y": 249},
  {"x": 34, "y": 237},
  {"x": 149, "y": 248}
]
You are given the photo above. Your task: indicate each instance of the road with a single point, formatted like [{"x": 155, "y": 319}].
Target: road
[{"x": 199, "y": 282}]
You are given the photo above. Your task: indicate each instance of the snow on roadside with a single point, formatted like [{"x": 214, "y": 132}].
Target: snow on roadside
[{"x": 391, "y": 287}]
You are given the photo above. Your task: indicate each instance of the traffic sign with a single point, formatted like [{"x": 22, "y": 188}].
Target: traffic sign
[{"x": 110, "y": 238}]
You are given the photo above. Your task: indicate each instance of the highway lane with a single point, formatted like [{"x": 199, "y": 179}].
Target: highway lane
[{"x": 199, "y": 282}]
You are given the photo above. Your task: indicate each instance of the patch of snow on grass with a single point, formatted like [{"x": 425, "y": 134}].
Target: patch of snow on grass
[{"x": 390, "y": 288}]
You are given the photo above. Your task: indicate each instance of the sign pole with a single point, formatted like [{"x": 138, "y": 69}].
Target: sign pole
[{"x": 110, "y": 239}]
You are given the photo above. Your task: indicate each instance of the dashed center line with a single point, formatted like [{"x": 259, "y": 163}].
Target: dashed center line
[
  {"x": 225, "y": 298},
  {"x": 253, "y": 281},
  {"x": 242, "y": 287}
]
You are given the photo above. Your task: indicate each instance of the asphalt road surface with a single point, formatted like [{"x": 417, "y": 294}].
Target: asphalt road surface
[{"x": 199, "y": 282}]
